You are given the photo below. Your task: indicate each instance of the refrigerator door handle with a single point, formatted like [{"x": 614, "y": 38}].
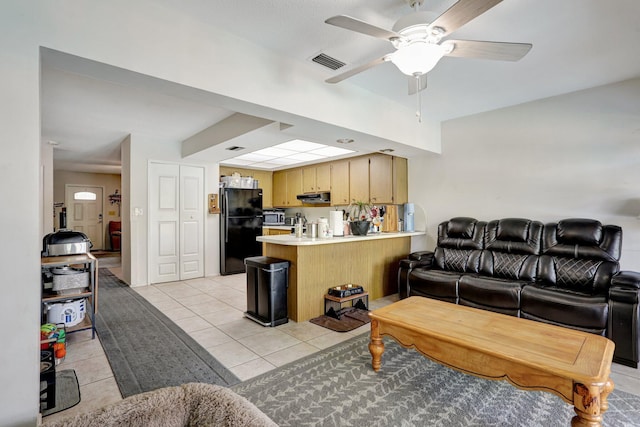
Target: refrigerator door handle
[{"x": 225, "y": 207}]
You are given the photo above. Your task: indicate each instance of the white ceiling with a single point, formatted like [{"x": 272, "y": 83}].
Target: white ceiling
[{"x": 577, "y": 44}]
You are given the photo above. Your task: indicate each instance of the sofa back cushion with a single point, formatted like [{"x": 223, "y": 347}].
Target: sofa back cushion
[
  {"x": 511, "y": 246},
  {"x": 580, "y": 255},
  {"x": 461, "y": 233},
  {"x": 514, "y": 235},
  {"x": 582, "y": 238},
  {"x": 459, "y": 242}
]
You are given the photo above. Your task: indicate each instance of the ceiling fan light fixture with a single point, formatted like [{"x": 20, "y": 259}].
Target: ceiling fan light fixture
[{"x": 417, "y": 58}]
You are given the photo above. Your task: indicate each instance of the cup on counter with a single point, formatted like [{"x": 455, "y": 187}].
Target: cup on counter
[
  {"x": 298, "y": 230},
  {"x": 312, "y": 230}
]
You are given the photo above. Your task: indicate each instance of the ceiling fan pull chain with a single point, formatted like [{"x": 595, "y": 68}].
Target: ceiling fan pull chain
[{"x": 418, "y": 93}]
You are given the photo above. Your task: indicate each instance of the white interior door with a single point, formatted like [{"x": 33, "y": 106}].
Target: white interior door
[
  {"x": 176, "y": 219},
  {"x": 191, "y": 222},
  {"x": 164, "y": 217},
  {"x": 84, "y": 212}
]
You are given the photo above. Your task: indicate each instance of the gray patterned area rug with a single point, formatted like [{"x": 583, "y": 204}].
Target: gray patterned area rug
[
  {"x": 146, "y": 349},
  {"x": 337, "y": 387}
]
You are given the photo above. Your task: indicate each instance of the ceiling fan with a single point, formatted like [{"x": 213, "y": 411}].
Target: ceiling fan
[{"x": 417, "y": 39}]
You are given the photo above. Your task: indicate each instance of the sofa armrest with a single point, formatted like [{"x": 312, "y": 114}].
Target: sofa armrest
[
  {"x": 625, "y": 287},
  {"x": 415, "y": 260},
  {"x": 421, "y": 256},
  {"x": 624, "y": 317},
  {"x": 626, "y": 279}
]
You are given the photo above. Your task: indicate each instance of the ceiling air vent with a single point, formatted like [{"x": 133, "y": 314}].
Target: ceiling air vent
[
  {"x": 327, "y": 61},
  {"x": 235, "y": 148}
]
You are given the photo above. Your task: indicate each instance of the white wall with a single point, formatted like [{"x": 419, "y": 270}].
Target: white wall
[
  {"x": 21, "y": 218},
  {"x": 46, "y": 182},
  {"x": 576, "y": 155}
]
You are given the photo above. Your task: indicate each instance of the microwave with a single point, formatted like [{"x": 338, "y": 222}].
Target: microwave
[{"x": 273, "y": 217}]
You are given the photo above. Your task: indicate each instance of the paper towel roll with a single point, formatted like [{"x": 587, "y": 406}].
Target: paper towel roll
[{"x": 335, "y": 222}]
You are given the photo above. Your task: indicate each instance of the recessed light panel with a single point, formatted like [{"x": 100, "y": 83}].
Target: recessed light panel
[{"x": 287, "y": 154}]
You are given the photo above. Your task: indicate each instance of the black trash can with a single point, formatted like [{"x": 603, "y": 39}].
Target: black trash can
[{"x": 267, "y": 283}]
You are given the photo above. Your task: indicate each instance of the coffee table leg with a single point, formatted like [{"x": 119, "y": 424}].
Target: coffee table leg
[
  {"x": 376, "y": 346},
  {"x": 590, "y": 403}
]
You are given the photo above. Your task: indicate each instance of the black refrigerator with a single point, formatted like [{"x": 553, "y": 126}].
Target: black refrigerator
[{"x": 240, "y": 224}]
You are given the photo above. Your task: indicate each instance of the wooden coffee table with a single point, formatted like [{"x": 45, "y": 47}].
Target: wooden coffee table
[{"x": 530, "y": 355}]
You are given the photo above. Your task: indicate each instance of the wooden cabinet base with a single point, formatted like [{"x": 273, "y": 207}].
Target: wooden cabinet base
[{"x": 316, "y": 268}]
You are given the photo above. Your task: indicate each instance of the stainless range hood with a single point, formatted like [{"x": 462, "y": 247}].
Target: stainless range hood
[{"x": 314, "y": 198}]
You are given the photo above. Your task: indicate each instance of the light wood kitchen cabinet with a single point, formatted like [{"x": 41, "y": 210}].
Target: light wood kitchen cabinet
[
  {"x": 287, "y": 184},
  {"x": 387, "y": 180},
  {"x": 265, "y": 179},
  {"x": 268, "y": 231},
  {"x": 400, "y": 181},
  {"x": 280, "y": 189},
  {"x": 316, "y": 178},
  {"x": 377, "y": 178},
  {"x": 381, "y": 179},
  {"x": 359, "y": 179},
  {"x": 294, "y": 187},
  {"x": 340, "y": 183}
]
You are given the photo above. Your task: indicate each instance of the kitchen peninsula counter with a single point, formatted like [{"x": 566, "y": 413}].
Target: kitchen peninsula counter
[{"x": 319, "y": 264}]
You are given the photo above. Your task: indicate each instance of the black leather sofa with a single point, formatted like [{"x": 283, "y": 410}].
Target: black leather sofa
[{"x": 563, "y": 273}]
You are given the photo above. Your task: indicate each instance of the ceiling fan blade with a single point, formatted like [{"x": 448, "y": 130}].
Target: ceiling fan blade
[
  {"x": 354, "y": 71},
  {"x": 353, "y": 24},
  {"x": 416, "y": 84},
  {"x": 488, "y": 50},
  {"x": 462, "y": 12}
]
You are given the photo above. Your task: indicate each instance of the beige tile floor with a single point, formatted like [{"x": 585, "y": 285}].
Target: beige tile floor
[{"x": 211, "y": 311}]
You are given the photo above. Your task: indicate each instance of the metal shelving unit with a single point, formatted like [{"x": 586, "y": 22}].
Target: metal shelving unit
[{"x": 90, "y": 264}]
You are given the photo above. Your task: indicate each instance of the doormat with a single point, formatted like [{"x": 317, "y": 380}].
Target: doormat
[
  {"x": 67, "y": 392},
  {"x": 344, "y": 320},
  {"x": 106, "y": 254}
]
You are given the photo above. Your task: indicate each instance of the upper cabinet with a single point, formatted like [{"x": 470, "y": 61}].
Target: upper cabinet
[
  {"x": 381, "y": 179},
  {"x": 287, "y": 184},
  {"x": 316, "y": 178},
  {"x": 376, "y": 178},
  {"x": 294, "y": 187},
  {"x": 359, "y": 179},
  {"x": 340, "y": 183},
  {"x": 400, "y": 181},
  {"x": 265, "y": 181},
  {"x": 387, "y": 180},
  {"x": 279, "y": 189}
]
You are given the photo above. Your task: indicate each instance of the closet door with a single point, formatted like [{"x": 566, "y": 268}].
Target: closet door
[
  {"x": 164, "y": 222},
  {"x": 191, "y": 222},
  {"x": 176, "y": 222}
]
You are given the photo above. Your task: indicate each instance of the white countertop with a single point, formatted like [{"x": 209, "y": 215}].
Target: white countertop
[{"x": 290, "y": 240}]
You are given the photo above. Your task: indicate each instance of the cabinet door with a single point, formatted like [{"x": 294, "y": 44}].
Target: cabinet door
[
  {"x": 309, "y": 180},
  {"x": 323, "y": 177},
  {"x": 400, "y": 181},
  {"x": 280, "y": 189},
  {"x": 340, "y": 183},
  {"x": 294, "y": 187},
  {"x": 381, "y": 179},
  {"x": 265, "y": 181},
  {"x": 359, "y": 179}
]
